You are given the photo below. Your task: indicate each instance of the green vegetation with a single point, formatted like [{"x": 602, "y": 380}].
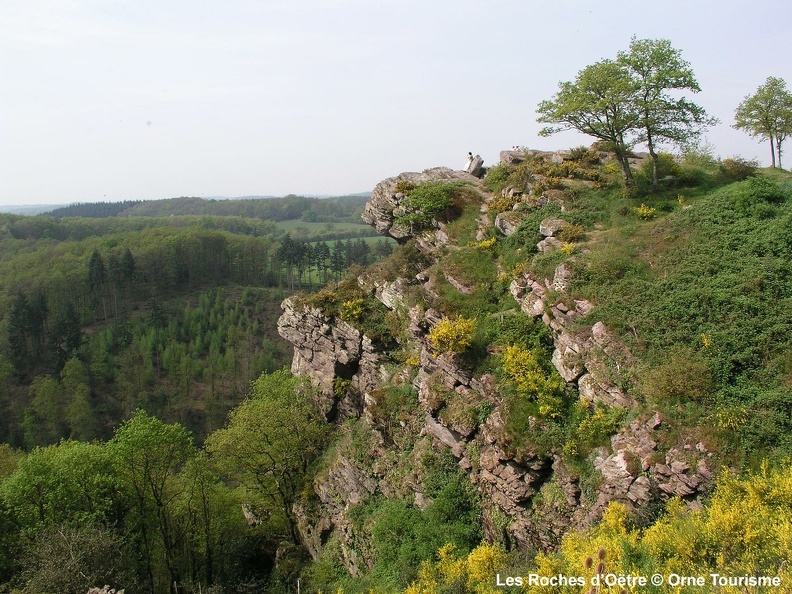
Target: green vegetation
[
  {"x": 767, "y": 114},
  {"x": 427, "y": 201},
  {"x": 629, "y": 101},
  {"x": 154, "y": 442},
  {"x": 720, "y": 539}
]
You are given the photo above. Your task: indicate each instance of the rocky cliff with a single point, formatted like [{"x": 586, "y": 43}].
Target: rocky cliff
[{"x": 530, "y": 499}]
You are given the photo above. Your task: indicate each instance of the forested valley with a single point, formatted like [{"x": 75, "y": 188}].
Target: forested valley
[{"x": 176, "y": 315}]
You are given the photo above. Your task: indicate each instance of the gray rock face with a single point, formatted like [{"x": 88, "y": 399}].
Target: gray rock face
[
  {"x": 632, "y": 472},
  {"x": 585, "y": 358},
  {"x": 465, "y": 413},
  {"x": 327, "y": 349},
  {"x": 512, "y": 157},
  {"x": 476, "y": 167},
  {"x": 381, "y": 211},
  {"x": 552, "y": 226},
  {"x": 508, "y": 222},
  {"x": 549, "y": 244}
]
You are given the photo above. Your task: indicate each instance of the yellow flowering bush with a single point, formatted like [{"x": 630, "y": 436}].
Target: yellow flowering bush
[
  {"x": 644, "y": 212},
  {"x": 351, "y": 310},
  {"x": 526, "y": 374},
  {"x": 452, "y": 335},
  {"x": 453, "y": 572}
]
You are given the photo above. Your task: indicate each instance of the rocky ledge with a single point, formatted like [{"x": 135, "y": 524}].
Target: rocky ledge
[{"x": 529, "y": 499}]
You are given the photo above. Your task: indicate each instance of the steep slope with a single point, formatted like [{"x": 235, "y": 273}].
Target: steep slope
[{"x": 544, "y": 408}]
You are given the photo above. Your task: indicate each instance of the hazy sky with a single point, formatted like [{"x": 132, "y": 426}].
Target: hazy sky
[{"x": 112, "y": 100}]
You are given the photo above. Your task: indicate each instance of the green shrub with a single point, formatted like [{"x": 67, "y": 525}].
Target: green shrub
[
  {"x": 736, "y": 169},
  {"x": 425, "y": 202},
  {"x": 572, "y": 233},
  {"x": 497, "y": 176},
  {"x": 685, "y": 375},
  {"x": 404, "y": 187}
]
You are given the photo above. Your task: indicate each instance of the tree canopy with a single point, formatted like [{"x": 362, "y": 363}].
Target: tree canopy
[
  {"x": 599, "y": 103},
  {"x": 767, "y": 114},
  {"x": 658, "y": 68},
  {"x": 629, "y": 100}
]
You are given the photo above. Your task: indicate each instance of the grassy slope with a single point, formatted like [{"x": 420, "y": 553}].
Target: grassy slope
[{"x": 702, "y": 296}]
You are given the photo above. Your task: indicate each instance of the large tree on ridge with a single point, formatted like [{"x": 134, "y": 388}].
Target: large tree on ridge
[
  {"x": 767, "y": 114},
  {"x": 657, "y": 68},
  {"x": 600, "y": 103}
]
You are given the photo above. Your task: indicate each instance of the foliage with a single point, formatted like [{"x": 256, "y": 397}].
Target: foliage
[
  {"x": 402, "y": 536},
  {"x": 685, "y": 375},
  {"x": 644, "y": 212},
  {"x": 269, "y": 443},
  {"x": 531, "y": 381},
  {"x": 572, "y": 233},
  {"x": 335, "y": 209},
  {"x": 455, "y": 572},
  {"x": 496, "y": 177},
  {"x": 664, "y": 118},
  {"x": 600, "y": 103},
  {"x": 721, "y": 538},
  {"x": 627, "y": 101},
  {"x": 767, "y": 114},
  {"x": 75, "y": 558},
  {"x": 719, "y": 267},
  {"x": 427, "y": 201},
  {"x": 736, "y": 169},
  {"x": 452, "y": 335}
]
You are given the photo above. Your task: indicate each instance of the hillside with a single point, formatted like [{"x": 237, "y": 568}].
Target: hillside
[
  {"x": 545, "y": 371},
  {"x": 540, "y": 347},
  {"x": 332, "y": 209}
]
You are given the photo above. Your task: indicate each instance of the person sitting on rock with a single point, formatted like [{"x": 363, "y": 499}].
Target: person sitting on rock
[{"x": 469, "y": 161}]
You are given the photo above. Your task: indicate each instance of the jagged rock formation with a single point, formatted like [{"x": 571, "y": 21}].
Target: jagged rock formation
[
  {"x": 381, "y": 209},
  {"x": 530, "y": 499},
  {"x": 328, "y": 350}
]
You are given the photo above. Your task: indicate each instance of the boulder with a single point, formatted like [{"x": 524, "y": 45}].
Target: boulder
[
  {"x": 549, "y": 244},
  {"x": 512, "y": 157},
  {"x": 508, "y": 222},
  {"x": 384, "y": 206},
  {"x": 552, "y": 226},
  {"x": 476, "y": 167}
]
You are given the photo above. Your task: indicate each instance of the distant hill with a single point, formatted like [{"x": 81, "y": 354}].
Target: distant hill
[
  {"x": 93, "y": 210},
  {"x": 310, "y": 209},
  {"x": 26, "y": 209}
]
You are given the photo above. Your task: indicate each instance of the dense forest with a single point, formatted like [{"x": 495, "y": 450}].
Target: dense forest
[
  {"x": 316, "y": 210},
  {"x": 173, "y": 315}
]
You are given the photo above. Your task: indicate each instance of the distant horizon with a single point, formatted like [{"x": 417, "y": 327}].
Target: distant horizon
[{"x": 54, "y": 205}]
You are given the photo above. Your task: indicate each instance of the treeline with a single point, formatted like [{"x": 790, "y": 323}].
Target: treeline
[
  {"x": 93, "y": 209},
  {"x": 339, "y": 209},
  {"x": 315, "y": 264},
  {"x": 79, "y": 228}
]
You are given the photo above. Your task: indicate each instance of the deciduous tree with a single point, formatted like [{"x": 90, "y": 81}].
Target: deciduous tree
[
  {"x": 269, "y": 444},
  {"x": 658, "y": 69},
  {"x": 600, "y": 103},
  {"x": 767, "y": 114}
]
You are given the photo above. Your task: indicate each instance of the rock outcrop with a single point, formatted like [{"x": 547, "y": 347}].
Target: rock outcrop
[
  {"x": 385, "y": 199},
  {"x": 331, "y": 352},
  {"x": 536, "y": 493},
  {"x": 476, "y": 166}
]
